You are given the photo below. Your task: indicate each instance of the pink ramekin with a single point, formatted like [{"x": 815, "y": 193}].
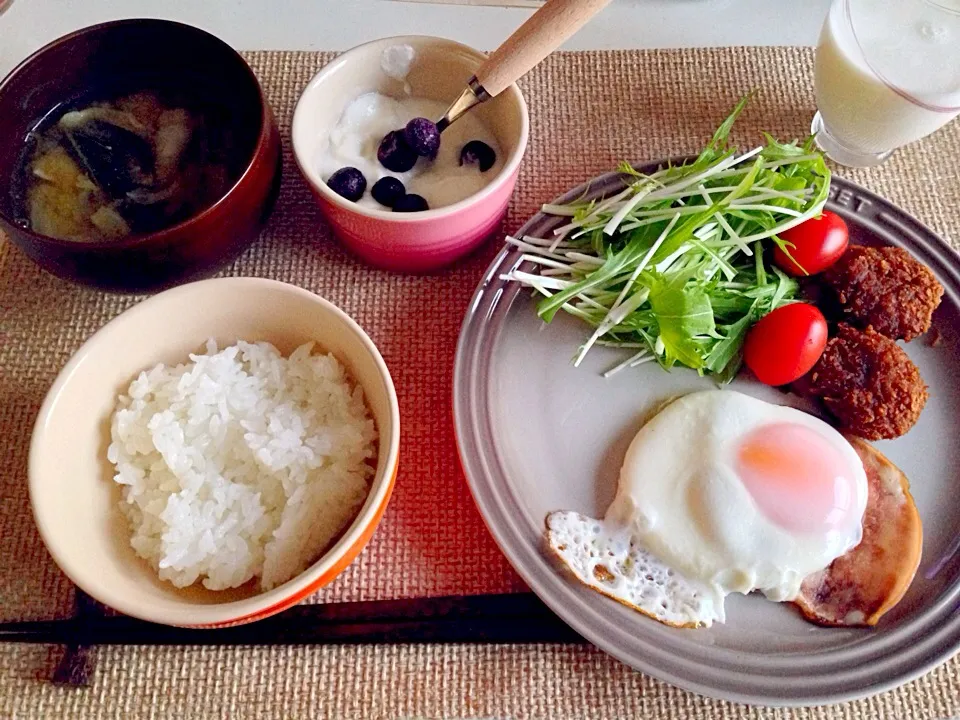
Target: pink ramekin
[{"x": 409, "y": 242}]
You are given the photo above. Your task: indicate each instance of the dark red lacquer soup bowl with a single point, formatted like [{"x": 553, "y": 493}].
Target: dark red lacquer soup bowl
[{"x": 168, "y": 59}]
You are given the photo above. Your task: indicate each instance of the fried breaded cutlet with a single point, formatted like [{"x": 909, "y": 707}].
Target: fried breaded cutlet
[
  {"x": 860, "y": 586},
  {"x": 886, "y": 289},
  {"x": 868, "y": 383}
]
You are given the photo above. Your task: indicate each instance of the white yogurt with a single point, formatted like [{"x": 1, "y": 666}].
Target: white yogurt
[
  {"x": 354, "y": 140},
  {"x": 356, "y": 137},
  {"x": 365, "y": 121},
  {"x": 396, "y": 61}
]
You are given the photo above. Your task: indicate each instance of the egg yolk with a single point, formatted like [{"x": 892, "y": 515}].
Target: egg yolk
[{"x": 798, "y": 479}]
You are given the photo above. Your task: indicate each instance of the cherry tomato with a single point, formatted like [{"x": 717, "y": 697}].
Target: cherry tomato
[
  {"x": 786, "y": 343},
  {"x": 817, "y": 244}
]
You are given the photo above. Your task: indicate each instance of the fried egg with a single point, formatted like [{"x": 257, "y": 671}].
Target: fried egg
[{"x": 719, "y": 493}]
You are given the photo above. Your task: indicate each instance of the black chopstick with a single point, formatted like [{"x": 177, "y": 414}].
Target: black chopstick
[{"x": 510, "y": 618}]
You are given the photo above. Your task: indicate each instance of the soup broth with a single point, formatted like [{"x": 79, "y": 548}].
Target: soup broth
[{"x": 106, "y": 170}]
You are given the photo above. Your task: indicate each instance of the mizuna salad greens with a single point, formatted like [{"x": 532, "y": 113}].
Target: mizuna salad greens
[{"x": 677, "y": 266}]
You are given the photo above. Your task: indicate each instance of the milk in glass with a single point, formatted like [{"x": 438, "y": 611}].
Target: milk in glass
[{"x": 888, "y": 71}]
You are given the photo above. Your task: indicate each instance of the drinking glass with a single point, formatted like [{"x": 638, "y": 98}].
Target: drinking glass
[{"x": 887, "y": 74}]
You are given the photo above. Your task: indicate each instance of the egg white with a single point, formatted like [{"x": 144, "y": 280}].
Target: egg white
[{"x": 603, "y": 556}]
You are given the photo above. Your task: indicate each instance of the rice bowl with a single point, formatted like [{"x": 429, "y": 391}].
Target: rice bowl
[{"x": 75, "y": 500}]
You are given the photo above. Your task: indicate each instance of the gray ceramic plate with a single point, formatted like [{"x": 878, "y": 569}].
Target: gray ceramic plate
[{"x": 536, "y": 434}]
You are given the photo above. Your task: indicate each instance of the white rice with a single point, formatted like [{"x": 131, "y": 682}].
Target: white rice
[{"x": 241, "y": 463}]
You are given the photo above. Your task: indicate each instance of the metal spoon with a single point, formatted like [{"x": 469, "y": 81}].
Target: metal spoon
[{"x": 546, "y": 30}]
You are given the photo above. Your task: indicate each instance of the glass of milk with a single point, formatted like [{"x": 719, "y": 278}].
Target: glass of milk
[{"x": 887, "y": 74}]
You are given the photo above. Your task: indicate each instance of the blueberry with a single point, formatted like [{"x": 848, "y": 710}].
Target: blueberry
[
  {"x": 394, "y": 153},
  {"x": 410, "y": 203},
  {"x": 387, "y": 190},
  {"x": 423, "y": 136},
  {"x": 477, "y": 152},
  {"x": 348, "y": 182}
]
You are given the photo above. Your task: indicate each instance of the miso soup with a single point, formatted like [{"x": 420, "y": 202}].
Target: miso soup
[{"x": 133, "y": 165}]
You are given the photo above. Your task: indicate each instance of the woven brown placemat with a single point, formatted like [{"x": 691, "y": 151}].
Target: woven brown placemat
[{"x": 588, "y": 111}]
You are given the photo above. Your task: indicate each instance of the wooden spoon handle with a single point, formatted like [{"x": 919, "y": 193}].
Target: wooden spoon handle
[{"x": 547, "y": 29}]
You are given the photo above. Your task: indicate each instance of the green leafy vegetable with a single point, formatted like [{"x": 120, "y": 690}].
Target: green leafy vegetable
[
  {"x": 674, "y": 266},
  {"x": 685, "y": 317}
]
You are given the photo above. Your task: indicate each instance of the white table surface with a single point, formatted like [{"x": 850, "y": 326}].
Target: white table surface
[{"x": 340, "y": 24}]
